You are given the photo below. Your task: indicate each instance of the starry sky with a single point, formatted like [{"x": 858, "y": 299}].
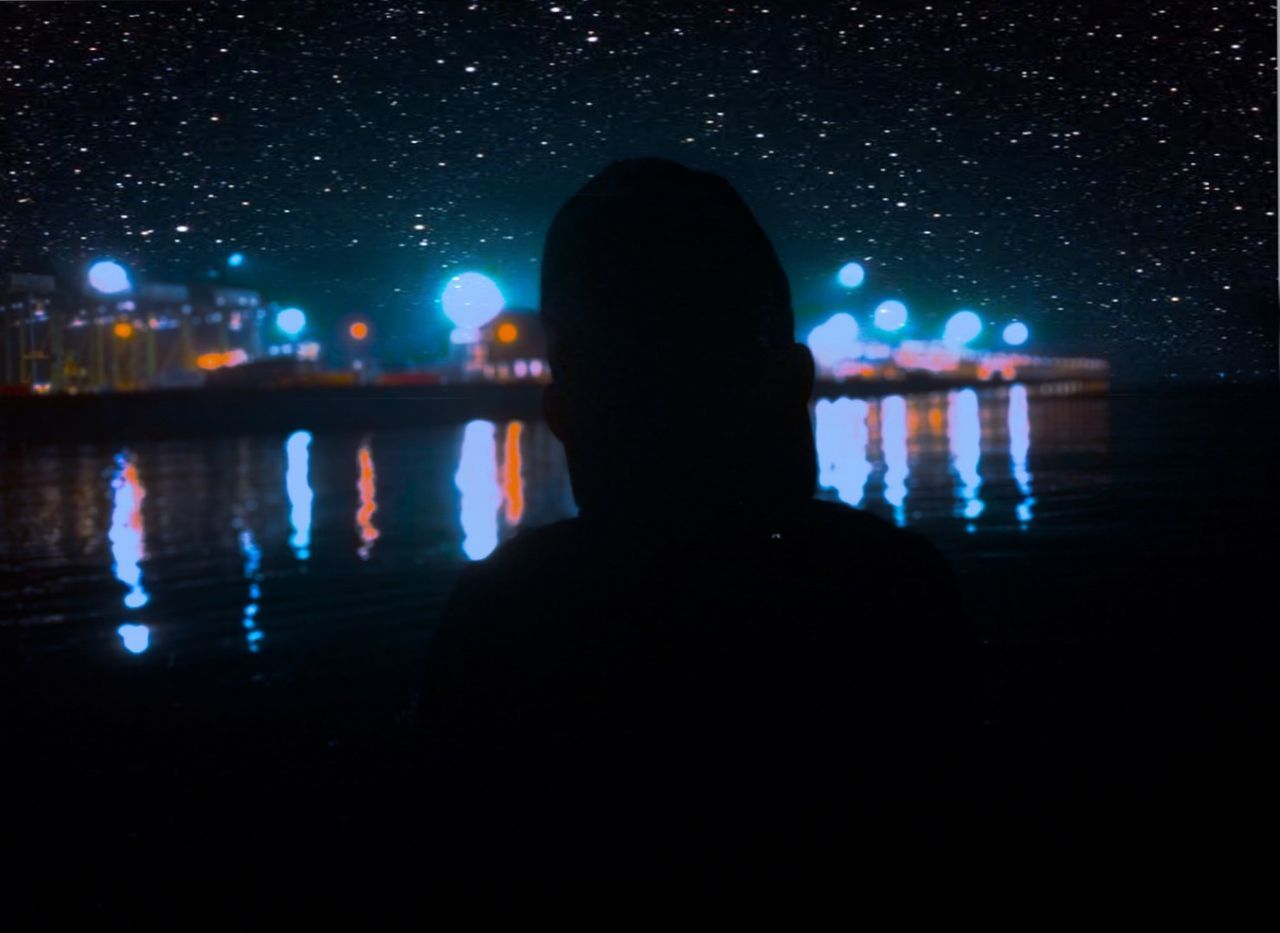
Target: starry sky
[{"x": 1104, "y": 172}]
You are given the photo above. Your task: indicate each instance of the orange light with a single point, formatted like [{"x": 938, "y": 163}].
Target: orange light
[
  {"x": 507, "y": 332},
  {"x": 211, "y": 361},
  {"x": 367, "y": 487},
  {"x": 123, "y": 330},
  {"x": 512, "y": 480},
  {"x": 359, "y": 330}
]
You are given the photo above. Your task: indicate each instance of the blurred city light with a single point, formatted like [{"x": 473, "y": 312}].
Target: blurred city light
[
  {"x": 961, "y": 328},
  {"x": 109, "y": 278},
  {"x": 480, "y": 494},
  {"x": 291, "y": 321},
  {"x": 851, "y": 275},
  {"x": 136, "y": 638},
  {"x": 359, "y": 330},
  {"x": 297, "y": 484},
  {"x": 123, "y": 330},
  {"x": 834, "y": 340},
  {"x": 891, "y": 315},
  {"x": 471, "y": 300},
  {"x": 1016, "y": 334},
  {"x": 235, "y": 260},
  {"x": 507, "y": 332}
]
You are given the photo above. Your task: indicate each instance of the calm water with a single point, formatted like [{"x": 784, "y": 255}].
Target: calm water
[
  {"x": 205, "y": 644},
  {"x": 231, "y": 544}
]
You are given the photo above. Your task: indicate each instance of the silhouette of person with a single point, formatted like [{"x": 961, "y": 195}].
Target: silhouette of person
[{"x": 708, "y": 669}]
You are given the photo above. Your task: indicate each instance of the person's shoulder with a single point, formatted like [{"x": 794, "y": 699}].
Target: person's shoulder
[
  {"x": 844, "y": 522},
  {"x": 521, "y": 561}
]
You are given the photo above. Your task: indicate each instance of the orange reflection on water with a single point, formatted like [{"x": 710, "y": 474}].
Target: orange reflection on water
[
  {"x": 367, "y": 487},
  {"x": 512, "y": 480}
]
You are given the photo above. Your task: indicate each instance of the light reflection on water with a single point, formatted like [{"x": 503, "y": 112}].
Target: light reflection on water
[
  {"x": 964, "y": 429},
  {"x": 367, "y": 487},
  {"x": 128, "y": 543},
  {"x": 1019, "y": 447},
  {"x": 841, "y": 438},
  {"x": 225, "y": 528},
  {"x": 296, "y": 481},
  {"x": 893, "y": 445}
]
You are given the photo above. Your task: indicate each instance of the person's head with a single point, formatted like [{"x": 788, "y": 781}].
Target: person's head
[{"x": 676, "y": 376}]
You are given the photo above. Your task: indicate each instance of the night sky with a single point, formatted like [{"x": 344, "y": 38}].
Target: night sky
[{"x": 1105, "y": 172}]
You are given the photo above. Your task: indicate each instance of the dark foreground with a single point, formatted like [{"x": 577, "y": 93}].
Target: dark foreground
[{"x": 1130, "y": 676}]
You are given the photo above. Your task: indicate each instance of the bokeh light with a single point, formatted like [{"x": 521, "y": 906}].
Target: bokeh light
[
  {"x": 834, "y": 340},
  {"x": 136, "y": 638},
  {"x": 358, "y": 330},
  {"x": 961, "y": 328},
  {"x": 891, "y": 315},
  {"x": 291, "y": 321},
  {"x": 109, "y": 278},
  {"x": 471, "y": 300},
  {"x": 507, "y": 332},
  {"x": 235, "y": 260},
  {"x": 851, "y": 275},
  {"x": 123, "y": 330},
  {"x": 1015, "y": 334}
]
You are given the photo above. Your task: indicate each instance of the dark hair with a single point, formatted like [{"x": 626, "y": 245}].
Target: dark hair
[{"x": 649, "y": 252}]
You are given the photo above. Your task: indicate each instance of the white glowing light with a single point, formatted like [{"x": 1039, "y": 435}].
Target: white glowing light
[
  {"x": 297, "y": 484},
  {"x": 481, "y": 493},
  {"x": 471, "y": 300},
  {"x": 840, "y": 437},
  {"x": 291, "y": 321},
  {"x": 136, "y": 638},
  {"x": 834, "y": 340},
  {"x": 891, "y": 315},
  {"x": 109, "y": 278},
  {"x": 851, "y": 275},
  {"x": 961, "y": 328},
  {"x": 1015, "y": 334}
]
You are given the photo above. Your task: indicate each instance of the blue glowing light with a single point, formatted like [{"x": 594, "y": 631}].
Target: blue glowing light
[
  {"x": 834, "y": 340},
  {"x": 851, "y": 275},
  {"x": 128, "y": 546},
  {"x": 136, "y": 638},
  {"x": 477, "y": 481},
  {"x": 109, "y": 278},
  {"x": 965, "y": 428},
  {"x": 961, "y": 328},
  {"x": 235, "y": 260},
  {"x": 893, "y": 443},
  {"x": 291, "y": 321},
  {"x": 1015, "y": 334},
  {"x": 252, "y": 570},
  {"x": 840, "y": 435},
  {"x": 471, "y": 300},
  {"x": 297, "y": 450},
  {"x": 1019, "y": 445},
  {"x": 891, "y": 315}
]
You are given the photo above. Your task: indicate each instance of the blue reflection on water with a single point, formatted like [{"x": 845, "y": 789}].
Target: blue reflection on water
[
  {"x": 136, "y": 638},
  {"x": 297, "y": 461},
  {"x": 841, "y": 440},
  {"x": 126, "y": 534},
  {"x": 252, "y": 563},
  {"x": 477, "y": 481},
  {"x": 1019, "y": 445},
  {"x": 893, "y": 443},
  {"x": 965, "y": 429}
]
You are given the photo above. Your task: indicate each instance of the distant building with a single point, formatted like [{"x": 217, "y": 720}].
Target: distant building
[
  {"x": 512, "y": 347},
  {"x": 55, "y": 337}
]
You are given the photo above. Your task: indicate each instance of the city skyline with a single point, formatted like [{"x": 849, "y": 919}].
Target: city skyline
[{"x": 1072, "y": 169}]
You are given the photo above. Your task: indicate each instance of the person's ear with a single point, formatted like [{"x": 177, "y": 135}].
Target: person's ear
[
  {"x": 798, "y": 367},
  {"x": 555, "y": 409}
]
